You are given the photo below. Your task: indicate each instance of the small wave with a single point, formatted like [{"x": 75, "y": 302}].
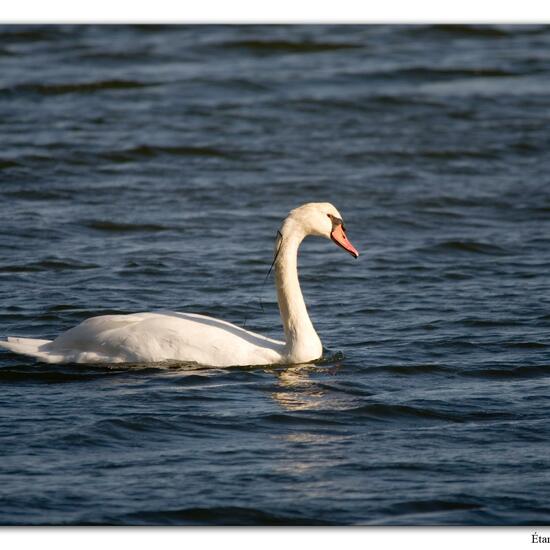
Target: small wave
[
  {"x": 473, "y": 247},
  {"x": 287, "y": 46},
  {"x": 62, "y": 307},
  {"x": 121, "y": 56},
  {"x": 6, "y": 163},
  {"x": 219, "y": 515},
  {"x": 474, "y": 31},
  {"x": 228, "y": 83},
  {"x": 149, "y": 151},
  {"x": 514, "y": 372},
  {"x": 118, "y": 427},
  {"x": 456, "y": 276},
  {"x": 430, "y": 506},
  {"x": 48, "y": 375},
  {"x": 81, "y": 87},
  {"x": 438, "y": 154},
  {"x": 383, "y": 411},
  {"x": 153, "y": 28},
  {"x": 171, "y": 373},
  {"x": 543, "y": 208},
  {"x": 526, "y": 345},
  {"x": 30, "y": 34},
  {"x": 361, "y": 104},
  {"x": 47, "y": 265},
  {"x": 450, "y": 200},
  {"x": 413, "y": 369},
  {"x": 37, "y": 194},
  {"x": 442, "y": 73},
  {"x": 526, "y": 147},
  {"x": 477, "y": 322},
  {"x": 123, "y": 227},
  {"x": 450, "y": 154},
  {"x": 301, "y": 419}
]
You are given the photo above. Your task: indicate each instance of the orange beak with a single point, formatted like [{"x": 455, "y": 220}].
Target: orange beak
[{"x": 338, "y": 235}]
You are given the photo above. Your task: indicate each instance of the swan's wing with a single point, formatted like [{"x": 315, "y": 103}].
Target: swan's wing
[{"x": 146, "y": 337}]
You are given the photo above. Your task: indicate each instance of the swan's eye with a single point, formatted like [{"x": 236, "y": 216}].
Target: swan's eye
[{"x": 336, "y": 221}]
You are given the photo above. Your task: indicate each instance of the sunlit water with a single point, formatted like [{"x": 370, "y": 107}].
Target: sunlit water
[{"x": 149, "y": 168}]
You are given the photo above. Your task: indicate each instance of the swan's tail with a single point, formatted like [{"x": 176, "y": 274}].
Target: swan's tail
[{"x": 39, "y": 349}]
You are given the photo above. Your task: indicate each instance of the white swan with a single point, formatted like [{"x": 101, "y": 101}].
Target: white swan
[{"x": 168, "y": 335}]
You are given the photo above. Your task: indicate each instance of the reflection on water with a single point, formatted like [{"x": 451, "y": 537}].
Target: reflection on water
[
  {"x": 312, "y": 450},
  {"x": 304, "y": 388},
  {"x": 298, "y": 391}
]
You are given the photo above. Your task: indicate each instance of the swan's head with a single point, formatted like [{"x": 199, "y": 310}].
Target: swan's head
[{"x": 320, "y": 219}]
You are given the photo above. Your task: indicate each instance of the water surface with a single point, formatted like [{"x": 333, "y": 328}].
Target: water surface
[{"x": 148, "y": 168}]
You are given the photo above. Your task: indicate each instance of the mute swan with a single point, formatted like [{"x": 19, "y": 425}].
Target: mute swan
[{"x": 168, "y": 335}]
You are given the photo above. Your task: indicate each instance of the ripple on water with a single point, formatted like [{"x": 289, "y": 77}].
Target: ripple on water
[{"x": 149, "y": 167}]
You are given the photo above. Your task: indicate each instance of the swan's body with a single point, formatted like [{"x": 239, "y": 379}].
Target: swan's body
[
  {"x": 168, "y": 335},
  {"x": 151, "y": 337}
]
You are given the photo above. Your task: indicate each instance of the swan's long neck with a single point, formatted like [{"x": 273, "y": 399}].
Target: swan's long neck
[{"x": 302, "y": 341}]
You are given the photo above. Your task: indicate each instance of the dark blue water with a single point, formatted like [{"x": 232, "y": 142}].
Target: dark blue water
[{"x": 146, "y": 168}]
